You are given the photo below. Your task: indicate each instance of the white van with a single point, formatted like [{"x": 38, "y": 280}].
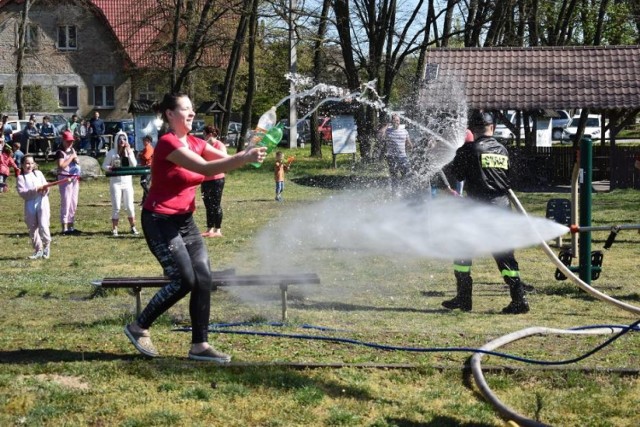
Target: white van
[{"x": 592, "y": 128}]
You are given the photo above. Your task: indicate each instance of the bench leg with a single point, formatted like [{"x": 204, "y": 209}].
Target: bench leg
[
  {"x": 136, "y": 292},
  {"x": 283, "y": 295}
]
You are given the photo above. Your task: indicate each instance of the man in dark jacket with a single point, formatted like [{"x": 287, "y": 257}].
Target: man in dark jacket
[
  {"x": 484, "y": 165},
  {"x": 97, "y": 129}
]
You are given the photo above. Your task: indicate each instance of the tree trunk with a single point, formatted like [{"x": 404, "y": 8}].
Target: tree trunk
[
  {"x": 343, "y": 27},
  {"x": 232, "y": 70},
  {"x": 175, "y": 48},
  {"x": 318, "y": 66},
  {"x": 251, "y": 84},
  {"x": 20, "y": 58}
]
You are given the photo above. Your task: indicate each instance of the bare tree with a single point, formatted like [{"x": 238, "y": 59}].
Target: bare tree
[
  {"x": 377, "y": 38},
  {"x": 251, "y": 84},
  {"x": 319, "y": 63},
  {"x": 22, "y": 30},
  {"x": 232, "y": 69}
]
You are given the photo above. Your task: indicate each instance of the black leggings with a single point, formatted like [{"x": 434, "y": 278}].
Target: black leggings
[
  {"x": 212, "y": 198},
  {"x": 176, "y": 242}
]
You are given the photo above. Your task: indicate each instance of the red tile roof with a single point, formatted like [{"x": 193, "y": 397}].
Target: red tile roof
[
  {"x": 142, "y": 29},
  {"x": 136, "y": 25},
  {"x": 544, "y": 77}
]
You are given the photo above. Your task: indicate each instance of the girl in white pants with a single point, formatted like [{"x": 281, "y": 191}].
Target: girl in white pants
[
  {"x": 121, "y": 187},
  {"x": 37, "y": 213}
]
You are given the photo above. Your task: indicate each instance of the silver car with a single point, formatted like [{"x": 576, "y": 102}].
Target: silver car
[{"x": 233, "y": 134}]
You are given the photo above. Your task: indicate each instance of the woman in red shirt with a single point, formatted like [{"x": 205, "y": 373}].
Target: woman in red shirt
[
  {"x": 212, "y": 188},
  {"x": 180, "y": 163}
]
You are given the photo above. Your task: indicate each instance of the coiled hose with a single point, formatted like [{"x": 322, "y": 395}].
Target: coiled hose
[{"x": 476, "y": 368}]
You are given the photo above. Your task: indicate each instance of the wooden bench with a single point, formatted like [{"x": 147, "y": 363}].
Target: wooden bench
[{"x": 219, "y": 278}]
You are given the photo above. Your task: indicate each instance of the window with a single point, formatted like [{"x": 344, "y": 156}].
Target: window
[
  {"x": 67, "y": 96},
  {"x": 31, "y": 37},
  {"x": 103, "y": 96},
  {"x": 147, "y": 92},
  {"x": 67, "y": 39}
]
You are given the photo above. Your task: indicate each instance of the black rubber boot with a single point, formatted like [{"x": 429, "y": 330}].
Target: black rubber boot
[
  {"x": 463, "y": 298},
  {"x": 518, "y": 304}
]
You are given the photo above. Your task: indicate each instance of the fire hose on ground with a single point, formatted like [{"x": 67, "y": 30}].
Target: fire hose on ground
[{"x": 476, "y": 368}]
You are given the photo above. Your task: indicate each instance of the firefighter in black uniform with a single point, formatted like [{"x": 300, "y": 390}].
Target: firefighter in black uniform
[{"x": 484, "y": 165}]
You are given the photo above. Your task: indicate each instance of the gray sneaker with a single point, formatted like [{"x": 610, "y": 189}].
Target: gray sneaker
[
  {"x": 210, "y": 355},
  {"x": 45, "y": 253},
  {"x": 37, "y": 255},
  {"x": 141, "y": 341}
]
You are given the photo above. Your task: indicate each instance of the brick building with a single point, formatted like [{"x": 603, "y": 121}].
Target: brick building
[{"x": 86, "y": 55}]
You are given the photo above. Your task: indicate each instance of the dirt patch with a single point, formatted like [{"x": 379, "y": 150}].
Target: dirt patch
[{"x": 75, "y": 383}]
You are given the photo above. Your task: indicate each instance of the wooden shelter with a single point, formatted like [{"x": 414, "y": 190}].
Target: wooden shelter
[{"x": 539, "y": 80}]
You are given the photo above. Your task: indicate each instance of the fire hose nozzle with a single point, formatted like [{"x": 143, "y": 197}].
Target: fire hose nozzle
[{"x": 574, "y": 228}]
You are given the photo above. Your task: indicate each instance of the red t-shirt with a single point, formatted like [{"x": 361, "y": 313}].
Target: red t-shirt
[
  {"x": 220, "y": 146},
  {"x": 173, "y": 188}
]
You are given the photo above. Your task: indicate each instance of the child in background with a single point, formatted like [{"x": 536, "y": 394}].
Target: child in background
[
  {"x": 280, "y": 168},
  {"x": 6, "y": 162},
  {"x": 37, "y": 213},
  {"x": 18, "y": 155},
  {"x": 146, "y": 157}
]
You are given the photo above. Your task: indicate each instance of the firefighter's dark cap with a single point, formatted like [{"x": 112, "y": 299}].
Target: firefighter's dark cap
[{"x": 480, "y": 118}]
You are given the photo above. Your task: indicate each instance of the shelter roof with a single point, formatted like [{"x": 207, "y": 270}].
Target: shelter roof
[
  {"x": 210, "y": 107},
  {"x": 567, "y": 77}
]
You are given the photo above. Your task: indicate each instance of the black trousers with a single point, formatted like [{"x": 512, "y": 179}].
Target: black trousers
[
  {"x": 506, "y": 261},
  {"x": 212, "y": 198},
  {"x": 176, "y": 243}
]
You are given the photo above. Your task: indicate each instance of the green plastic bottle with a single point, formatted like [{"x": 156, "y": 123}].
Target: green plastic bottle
[{"x": 270, "y": 140}]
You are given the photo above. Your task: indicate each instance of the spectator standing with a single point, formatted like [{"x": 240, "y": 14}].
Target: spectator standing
[
  {"x": 81, "y": 133},
  {"x": 96, "y": 130},
  {"x": 18, "y": 155},
  {"x": 213, "y": 186},
  {"x": 145, "y": 157},
  {"x": 6, "y": 163},
  {"x": 468, "y": 137},
  {"x": 180, "y": 163},
  {"x": 7, "y": 130},
  {"x": 73, "y": 125},
  {"x": 121, "y": 187},
  {"x": 67, "y": 161},
  {"x": 484, "y": 164},
  {"x": 396, "y": 144},
  {"x": 32, "y": 187}
]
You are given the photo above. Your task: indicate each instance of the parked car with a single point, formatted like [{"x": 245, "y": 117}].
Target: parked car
[
  {"x": 17, "y": 125},
  {"x": 197, "y": 128},
  {"x": 126, "y": 125},
  {"x": 592, "y": 128},
  {"x": 324, "y": 128},
  {"x": 233, "y": 134},
  {"x": 59, "y": 121},
  {"x": 304, "y": 132},
  {"x": 559, "y": 124},
  {"x": 503, "y": 134}
]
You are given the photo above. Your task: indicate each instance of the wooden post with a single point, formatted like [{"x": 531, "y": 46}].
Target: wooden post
[{"x": 283, "y": 294}]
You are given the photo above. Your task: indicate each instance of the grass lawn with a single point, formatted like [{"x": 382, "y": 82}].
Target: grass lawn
[{"x": 65, "y": 361}]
